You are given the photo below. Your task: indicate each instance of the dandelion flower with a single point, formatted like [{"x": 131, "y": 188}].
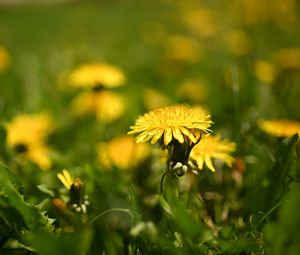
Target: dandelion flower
[
  {"x": 265, "y": 71},
  {"x": 153, "y": 99},
  {"x": 97, "y": 75},
  {"x": 109, "y": 153},
  {"x": 238, "y": 42},
  {"x": 288, "y": 58},
  {"x": 280, "y": 128},
  {"x": 177, "y": 128},
  {"x": 177, "y": 122},
  {"x": 201, "y": 21},
  {"x": 78, "y": 200},
  {"x": 27, "y": 129},
  {"x": 106, "y": 105},
  {"x": 27, "y": 134},
  {"x": 212, "y": 147},
  {"x": 182, "y": 48},
  {"x": 192, "y": 90}
]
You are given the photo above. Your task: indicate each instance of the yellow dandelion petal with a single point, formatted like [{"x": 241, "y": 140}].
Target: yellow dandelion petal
[
  {"x": 209, "y": 163},
  {"x": 167, "y": 135},
  {"x": 178, "y": 135},
  {"x": 143, "y": 137},
  {"x": 157, "y": 136},
  {"x": 65, "y": 178},
  {"x": 200, "y": 162}
]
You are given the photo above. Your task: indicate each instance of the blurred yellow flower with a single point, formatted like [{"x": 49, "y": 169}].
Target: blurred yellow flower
[
  {"x": 201, "y": 22},
  {"x": 212, "y": 147},
  {"x": 182, "y": 48},
  {"x": 289, "y": 58},
  {"x": 280, "y": 128},
  {"x": 269, "y": 10},
  {"x": 193, "y": 91},
  {"x": 121, "y": 152},
  {"x": 265, "y": 71},
  {"x": 26, "y": 134},
  {"x": 153, "y": 99},
  {"x": 28, "y": 129},
  {"x": 178, "y": 122},
  {"x": 97, "y": 76},
  {"x": 238, "y": 42},
  {"x": 106, "y": 105},
  {"x": 5, "y": 59}
]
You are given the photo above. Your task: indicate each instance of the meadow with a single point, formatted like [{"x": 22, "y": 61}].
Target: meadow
[{"x": 149, "y": 127}]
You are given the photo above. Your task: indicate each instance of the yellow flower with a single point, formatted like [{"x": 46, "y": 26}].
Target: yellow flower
[
  {"x": 182, "y": 48},
  {"x": 264, "y": 71},
  {"x": 280, "y": 128},
  {"x": 78, "y": 200},
  {"x": 5, "y": 59},
  {"x": 201, "y": 21},
  {"x": 177, "y": 128},
  {"x": 26, "y": 134},
  {"x": 122, "y": 152},
  {"x": 28, "y": 129},
  {"x": 289, "y": 58},
  {"x": 193, "y": 91},
  {"x": 178, "y": 122},
  {"x": 153, "y": 99},
  {"x": 212, "y": 147},
  {"x": 106, "y": 105},
  {"x": 238, "y": 42},
  {"x": 97, "y": 75}
]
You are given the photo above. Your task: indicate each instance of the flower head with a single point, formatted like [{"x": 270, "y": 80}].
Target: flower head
[
  {"x": 97, "y": 75},
  {"x": 178, "y": 122},
  {"x": 265, "y": 71},
  {"x": 78, "y": 200},
  {"x": 106, "y": 105},
  {"x": 109, "y": 153},
  {"x": 182, "y": 48},
  {"x": 27, "y": 134},
  {"x": 177, "y": 128},
  {"x": 288, "y": 58},
  {"x": 280, "y": 128},
  {"x": 212, "y": 147},
  {"x": 26, "y": 129}
]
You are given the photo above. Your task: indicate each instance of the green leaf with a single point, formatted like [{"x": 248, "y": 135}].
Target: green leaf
[
  {"x": 66, "y": 243},
  {"x": 18, "y": 185},
  {"x": 16, "y": 212}
]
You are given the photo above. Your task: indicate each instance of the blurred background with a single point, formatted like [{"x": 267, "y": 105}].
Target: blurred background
[{"x": 239, "y": 59}]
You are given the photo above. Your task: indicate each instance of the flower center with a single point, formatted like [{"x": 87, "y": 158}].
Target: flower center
[
  {"x": 98, "y": 87},
  {"x": 21, "y": 148}
]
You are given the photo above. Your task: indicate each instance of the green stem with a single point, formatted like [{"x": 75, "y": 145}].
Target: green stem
[{"x": 109, "y": 211}]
